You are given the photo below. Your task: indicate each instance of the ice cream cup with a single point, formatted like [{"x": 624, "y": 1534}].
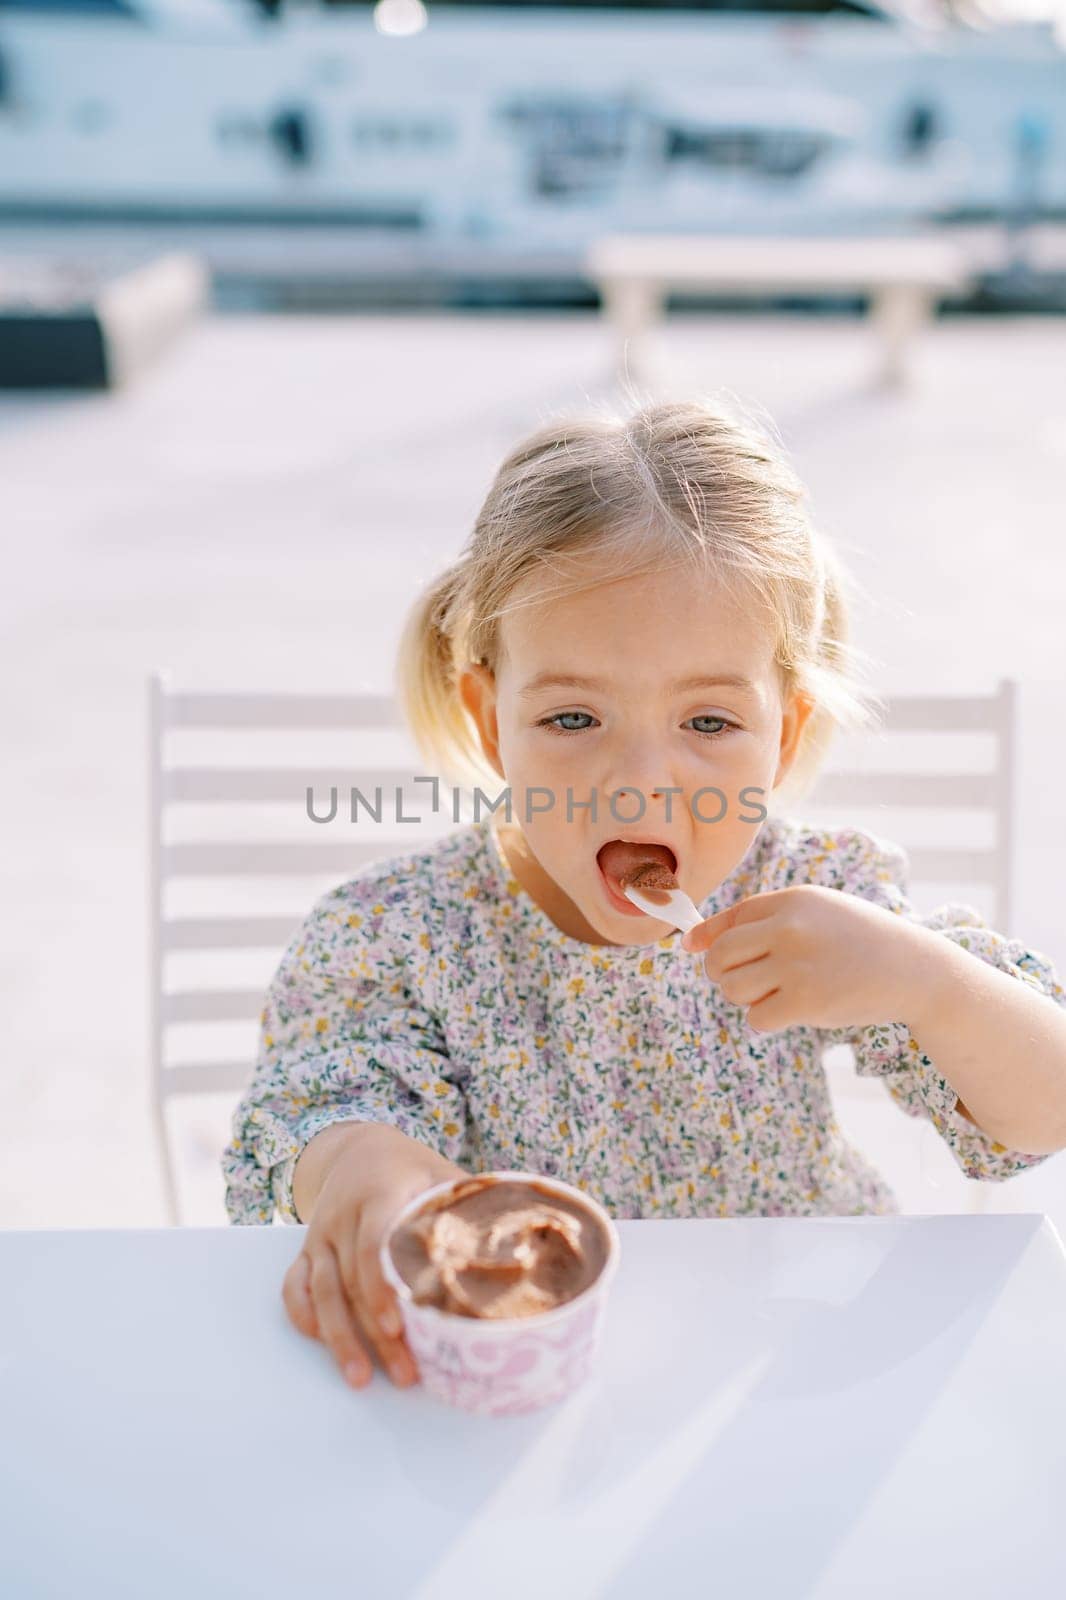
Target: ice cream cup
[{"x": 503, "y": 1366}]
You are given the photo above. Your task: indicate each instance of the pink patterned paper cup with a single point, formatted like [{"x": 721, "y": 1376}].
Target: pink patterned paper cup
[{"x": 503, "y": 1366}]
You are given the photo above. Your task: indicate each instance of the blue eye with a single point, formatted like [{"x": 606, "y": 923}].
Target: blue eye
[
  {"x": 554, "y": 721},
  {"x": 554, "y": 724},
  {"x": 723, "y": 727}
]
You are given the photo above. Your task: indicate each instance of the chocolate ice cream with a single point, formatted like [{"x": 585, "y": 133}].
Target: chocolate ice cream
[
  {"x": 647, "y": 867},
  {"x": 652, "y": 879},
  {"x": 499, "y": 1248}
]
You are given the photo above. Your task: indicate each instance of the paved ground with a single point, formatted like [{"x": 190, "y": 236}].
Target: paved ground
[{"x": 229, "y": 516}]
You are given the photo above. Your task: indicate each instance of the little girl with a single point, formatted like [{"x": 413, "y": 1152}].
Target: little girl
[{"x": 644, "y": 638}]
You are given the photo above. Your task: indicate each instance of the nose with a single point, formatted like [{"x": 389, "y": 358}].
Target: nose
[{"x": 641, "y": 771}]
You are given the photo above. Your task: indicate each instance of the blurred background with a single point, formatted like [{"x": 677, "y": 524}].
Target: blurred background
[
  {"x": 325, "y": 154},
  {"x": 279, "y": 285}
]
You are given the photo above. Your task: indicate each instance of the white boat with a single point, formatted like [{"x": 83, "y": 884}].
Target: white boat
[{"x": 525, "y": 126}]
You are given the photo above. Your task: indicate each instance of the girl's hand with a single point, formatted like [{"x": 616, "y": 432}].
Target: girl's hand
[
  {"x": 816, "y": 957},
  {"x": 334, "y": 1290}
]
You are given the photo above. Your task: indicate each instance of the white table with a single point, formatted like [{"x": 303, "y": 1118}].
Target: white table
[
  {"x": 902, "y": 277},
  {"x": 836, "y": 1407}
]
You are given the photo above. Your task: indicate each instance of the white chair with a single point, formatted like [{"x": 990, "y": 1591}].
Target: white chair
[
  {"x": 957, "y": 870},
  {"x": 223, "y": 898}
]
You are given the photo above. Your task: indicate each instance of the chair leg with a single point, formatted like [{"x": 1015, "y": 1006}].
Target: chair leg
[{"x": 166, "y": 1162}]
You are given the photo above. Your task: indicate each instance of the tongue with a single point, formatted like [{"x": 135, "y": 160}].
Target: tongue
[{"x": 621, "y": 862}]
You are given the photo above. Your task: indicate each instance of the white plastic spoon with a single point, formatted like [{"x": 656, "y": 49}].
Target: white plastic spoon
[{"x": 674, "y": 906}]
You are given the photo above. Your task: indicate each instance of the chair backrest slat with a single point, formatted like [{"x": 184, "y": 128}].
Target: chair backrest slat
[
  {"x": 953, "y": 866},
  {"x": 212, "y": 1005},
  {"x": 267, "y": 858},
  {"x": 947, "y": 791},
  {"x": 283, "y": 785},
  {"x": 208, "y": 1077},
  {"x": 280, "y": 711},
  {"x": 942, "y": 714},
  {"x": 228, "y": 933}
]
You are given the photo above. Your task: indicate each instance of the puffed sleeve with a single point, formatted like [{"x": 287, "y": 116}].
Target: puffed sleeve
[
  {"x": 878, "y": 870},
  {"x": 346, "y": 1034}
]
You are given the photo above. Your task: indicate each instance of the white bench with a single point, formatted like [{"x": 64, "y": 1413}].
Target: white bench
[{"x": 902, "y": 277}]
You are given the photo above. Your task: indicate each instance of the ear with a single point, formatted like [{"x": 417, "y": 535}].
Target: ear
[
  {"x": 793, "y": 721},
  {"x": 477, "y": 691}
]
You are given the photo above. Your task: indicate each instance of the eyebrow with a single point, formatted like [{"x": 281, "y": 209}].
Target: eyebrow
[{"x": 558, "y": 680}]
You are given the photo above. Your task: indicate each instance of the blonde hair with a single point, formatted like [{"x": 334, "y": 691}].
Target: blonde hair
[{"x": 696, "y": 482}]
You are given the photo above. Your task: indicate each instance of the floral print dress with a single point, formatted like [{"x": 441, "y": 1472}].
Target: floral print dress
[{"x": 431, "y": 992}]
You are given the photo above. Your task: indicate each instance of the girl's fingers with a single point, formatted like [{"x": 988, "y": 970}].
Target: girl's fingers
[
  {"x": 746, "y": 985},
  {"x": 376, "y": 1292},
  {"x": 296, "y": 1295},
  {"x": 704, "y": 933},
  {"x": 361, "y": 1274},
  {"x": 771, "y": 1015},
  {"x": 711, "y": 929},
  {"x": 336, "y": 1320},
  {"x": 753, "y": 908},
  {"x": 733, "y": 949}
]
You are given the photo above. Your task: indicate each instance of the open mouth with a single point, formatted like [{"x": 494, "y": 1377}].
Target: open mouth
[{"x": 618, "y": 859}]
